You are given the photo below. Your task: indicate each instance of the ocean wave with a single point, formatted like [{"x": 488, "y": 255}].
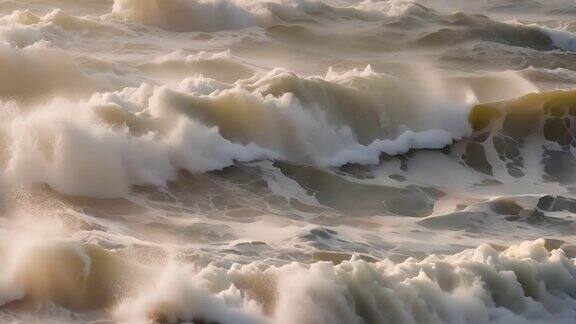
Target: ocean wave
[
  {"x": 521, "y": 7},
  {"x": 314, "y": 20},
  {"x": 185, "y": 15},
  {"x": 149, "y": 133},
  {"x": 551, "y": 75},
  {"x": 39, "y": 71},
  {"x": 562, "y": 39},
  {"x": 525, "y": 283},
  {"x": 52, "y": 21},
  {"x": 220, "y": 66},
  {"x": 530, "y": 136},
  {"x": 218, "y": 15}
]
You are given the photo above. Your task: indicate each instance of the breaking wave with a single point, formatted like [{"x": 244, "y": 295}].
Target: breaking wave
[
  {"x": 525, "y": 283},
  {"x": 150, "y": 133}
]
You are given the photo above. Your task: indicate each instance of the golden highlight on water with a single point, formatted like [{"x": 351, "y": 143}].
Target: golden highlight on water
[{"x": 288, "y": 161}]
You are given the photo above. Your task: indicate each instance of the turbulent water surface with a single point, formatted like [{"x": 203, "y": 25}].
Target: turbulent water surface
[{"x": 288, "y": 161}]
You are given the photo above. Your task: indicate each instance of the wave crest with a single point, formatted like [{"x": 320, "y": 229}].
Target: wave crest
[
  {"x": 525, "y": 283},
  {"x": 185, "y": 15}
]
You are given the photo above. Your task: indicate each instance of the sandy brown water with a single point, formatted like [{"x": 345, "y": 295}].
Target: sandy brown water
[{"x": 292, "y": 162}]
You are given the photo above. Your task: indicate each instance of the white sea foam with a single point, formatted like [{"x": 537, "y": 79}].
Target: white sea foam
[
  {"x": 563, "y": 39},
  {"x": 523, "y": 284},
  {"x": 148, "y": 134}
]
